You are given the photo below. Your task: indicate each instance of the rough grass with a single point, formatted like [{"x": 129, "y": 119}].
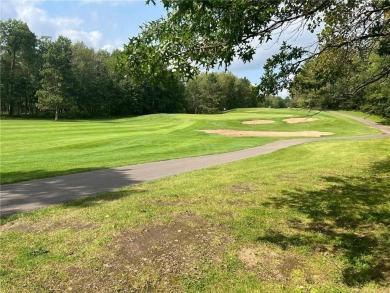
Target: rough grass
[
  {"x": 33, "y": 149},
  {"x": 371, "y": 117},
  {"x": 313, "y": 217}
]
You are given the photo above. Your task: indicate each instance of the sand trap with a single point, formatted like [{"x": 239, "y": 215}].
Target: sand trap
[
  {"x": 239, "y": 133},
  {"x": 299, "y": 120},
  {"x": 258, "y": 122}
]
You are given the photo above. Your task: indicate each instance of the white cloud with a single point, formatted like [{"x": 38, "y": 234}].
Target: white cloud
[
  {"x": 38, "y": 20},
  {"x": 254, "y": 69},
  {"x": 258, "y": 60},
  {"x": 61, "y": 22},
  {"x": 292, "y": 35},
  {"x": 92, "y": 38},
  {"x": 7, "y": 10},
  {"x": 284, "y": 93},
  {"x": 42, "y": 24},
  {"x": 117, "y": 44}
]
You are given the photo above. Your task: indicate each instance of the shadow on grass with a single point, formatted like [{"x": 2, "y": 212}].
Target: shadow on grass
[
  {"x": 30, "y": 195},
  {"x": 94, "y": 200},
  {"x": 352, "y": 216},
  {"x": 20, "y": 176}
]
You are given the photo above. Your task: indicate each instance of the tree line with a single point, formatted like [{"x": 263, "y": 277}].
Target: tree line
[
  {"x": 42, "y": 76},
  {"x": 348, "y": 66},
  {"x": 343, "y": 84}
]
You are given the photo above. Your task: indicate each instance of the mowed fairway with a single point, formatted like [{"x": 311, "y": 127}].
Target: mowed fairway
[
  {"x": 33, "y": 149},
  {"x": 310, "y": 218}
]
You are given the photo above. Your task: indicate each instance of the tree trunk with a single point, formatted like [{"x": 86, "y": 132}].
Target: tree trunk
[{"x": 56, "y": 115}]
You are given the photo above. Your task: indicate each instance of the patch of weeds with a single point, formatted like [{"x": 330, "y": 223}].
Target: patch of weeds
[
  {"x": 198, "y": 281},
  {"x": 38, "y": 251}
]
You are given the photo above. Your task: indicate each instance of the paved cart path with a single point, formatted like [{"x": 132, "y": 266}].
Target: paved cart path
[{"x": 30, "y": 195}]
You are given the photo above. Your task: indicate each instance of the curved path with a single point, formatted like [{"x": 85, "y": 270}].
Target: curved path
[{"x": 30, "y": 195}]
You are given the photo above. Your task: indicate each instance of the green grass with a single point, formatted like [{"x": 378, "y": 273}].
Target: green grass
[
  {"x": 33, "y": 149},
  {"x": 373, "y": 118},
  {"x": 310, "y": 218}
]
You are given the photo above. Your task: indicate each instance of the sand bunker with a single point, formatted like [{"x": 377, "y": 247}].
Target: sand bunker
[
  {"x": 239, "y": 133},
  {"x": 258, "y": 122},
  {"x": 299, "y": 120}
]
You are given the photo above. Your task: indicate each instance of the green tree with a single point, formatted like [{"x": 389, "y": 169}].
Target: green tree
[
  {"x": 325, "y": 85},
  {"x": 274, "y": 102},
  {"x": 18, "y": 67},
  {"x": 228, "y": 98},
  {"x": 245, "y": 95},
  {"x": 377, "y": 96},
  {"x": 158, "y": 88},
  {"x": 93, "y": 81},
  {"x": 55, "y": 92},
  {"x": 199, "y": 33},
  {"x": 214, "y": 92},
  {"x": 204, "y": 94}
]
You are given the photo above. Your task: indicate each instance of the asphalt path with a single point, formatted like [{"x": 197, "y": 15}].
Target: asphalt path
[{"x": 30, "y": 195}]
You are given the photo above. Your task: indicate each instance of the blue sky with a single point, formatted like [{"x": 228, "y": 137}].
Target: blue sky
[{"x": 107, "y": 24}]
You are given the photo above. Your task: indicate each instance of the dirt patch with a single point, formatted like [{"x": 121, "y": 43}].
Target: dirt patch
[
  {"x": 240, "y": 133},
  {"x": 165, "y": 203},
  {"x": 254, "y": 122},
  {"x": 241, "y": 188},
  {"x": 272, "y": 264},
  {"x": 39, "y": 227},
  {"x": 299, "y": 120},
  {"x": 153, "y": 259}
]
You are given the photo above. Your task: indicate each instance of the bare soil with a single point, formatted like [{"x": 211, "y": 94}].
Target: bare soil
[
  {"x": 271, "y": 265},
  {"x": 240, "y": 133},
  {"x": 154, "y": 259},
  {"x": 254, "y": 122},
  {"x": 40, "y": 226},
  {"x": 299, "y": 120}
]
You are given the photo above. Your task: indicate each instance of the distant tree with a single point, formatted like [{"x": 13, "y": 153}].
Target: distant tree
[
  {"x": 84, "y": 70},
  {"x": 204, "y": 94},
  {"x": 157, "y": 87},
  {"x": 336, "y": 87},
  {"x": 18, "y": 67},
  {"x": 245, "y": 94},
  {"x": 93, "y": 81},
  {"x": 204, "y": 34},
  {"x": 214, "y": 92},
  {"x": 56, "y": 88},
  {"x": 377, "y": 96},
  {"x": 274, "y": 102}
]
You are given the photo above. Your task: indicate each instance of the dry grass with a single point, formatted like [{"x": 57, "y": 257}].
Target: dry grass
[
  {"x": 256, "y": 122},
  {"x": 241, "y": 133},
  {"x": 299, "y": 120}
]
